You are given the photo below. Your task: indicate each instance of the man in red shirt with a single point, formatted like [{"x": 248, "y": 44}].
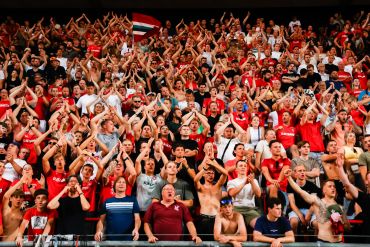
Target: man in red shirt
[
  {"x": 310, "y": 130},
  {"x": 86, "y": 169},
  {"x": 4, "y": 184},
  {"x": 95, "y": 48},
  {"x": 4, "y": 102},
  {"x": 265, "y": 80},
  {"x": 207, "y": 101},
  {"x": 342, "y": 37},
  {"x": 240, "y": 154},
  {"x": 273, "y": 169},
  {"x": 344, "y": 76},
  {"x": 41, "y": 218},
  {"x": 285, "y": 134},
  {"x": 240, "y": 117},
  {"x": 200, "y": 138},
  {"x": 56, "y": 179},
  {"x": 165, "y": 219}
]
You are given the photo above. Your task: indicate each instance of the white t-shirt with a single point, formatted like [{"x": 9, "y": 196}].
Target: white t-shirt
[
  {"x": 273, "y": 118},
  {"x": 324, "y": 77},
  {"x": 2, "y": 75},
  {"x": 114, "y": 100},
  {"x": 10, "y": 174},
  {"x": 63, "y": 62},
  {"x": 304, "y": 66},
  {"x": 293, "y": 23},
  {"x": 336, "y": 61},
  {"x": 245, "y": 198},
  {"x": 144, "y": 189},
  {"x": 229, "y": 152},
  {"x": 348, "y": 68},
  {"x": 84, "y": 101},
  {"x": 263, "y": 148},
  {"x": 276, "y": 54}
]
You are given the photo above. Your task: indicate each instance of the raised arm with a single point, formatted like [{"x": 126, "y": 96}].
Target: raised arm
[
  {"x": 344, "y": 177},
  {"x": 309, "y": 198}
]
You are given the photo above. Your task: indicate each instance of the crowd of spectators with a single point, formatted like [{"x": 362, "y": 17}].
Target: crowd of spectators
[{"x": 228, "y": 130}]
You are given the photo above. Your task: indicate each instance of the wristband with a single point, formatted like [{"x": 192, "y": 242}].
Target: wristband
[
  {"x": 125, "y": 159},
  {"x": 81, "y": 194}
]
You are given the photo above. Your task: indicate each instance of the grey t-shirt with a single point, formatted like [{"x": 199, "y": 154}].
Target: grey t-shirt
[
  {"x": 364, "y": 160},
  {"x": 145, "y": 185},
  {"x": 309, "y": 164},
  {"x": 182, "y": 189},
  {"x": 109, "y": 140}
]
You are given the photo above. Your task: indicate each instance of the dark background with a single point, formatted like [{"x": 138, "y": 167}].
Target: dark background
[
  {"x": 313, "y": 12},
  {"x": 175, "y": 3}
]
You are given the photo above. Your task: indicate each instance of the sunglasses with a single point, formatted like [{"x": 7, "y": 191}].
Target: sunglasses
[
  {"x": 137, "y": 101},
  {"x": 52, "y": 143}
]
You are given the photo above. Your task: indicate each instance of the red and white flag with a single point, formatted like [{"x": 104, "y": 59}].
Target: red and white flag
[{"x": 144, "y": 26}]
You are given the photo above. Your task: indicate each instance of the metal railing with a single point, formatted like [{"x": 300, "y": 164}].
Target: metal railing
[
  {"x": 171, "y": 244},
  {"x": 77, "y": 241}
]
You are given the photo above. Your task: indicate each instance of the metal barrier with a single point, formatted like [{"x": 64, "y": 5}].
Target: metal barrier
[{"x": 177, "y": 244}]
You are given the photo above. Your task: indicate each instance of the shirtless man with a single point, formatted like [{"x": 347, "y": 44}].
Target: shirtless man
[
  {"x": 229, "y": 225},
  {"x": 209, "y": 193},
  {"x": 178, "y": 90},
  {"x": 328, "y": 162},
  {"x": 330, "y": 228},
  {"x": 12, "y": 213}
]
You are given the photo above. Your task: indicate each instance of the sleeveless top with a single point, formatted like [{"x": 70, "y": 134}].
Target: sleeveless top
[{"x": 255, "y": 135}]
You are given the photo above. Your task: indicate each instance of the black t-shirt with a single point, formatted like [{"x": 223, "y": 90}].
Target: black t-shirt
[
  {"x": 71, "y": 217},
  {"x": 4, "y": 141},
  {"x": 212, "y": 122},
  {"x": 290, "y": 75},
  {"x": 156, "y": 85},
  {"x": 31, "y": 76},
  {"x": 330, "y": 68},
  {"x": 231, "y": 73},
  {"x": 311, "y": 79},
  {"x": 310, "y": 188},
  {"x": 199, "y": 98},
  {"x": 302, "y": 81},
  {"x": 364, "y": 201},
  {"x": 54, "y": 73},
  {"x": 191, "y": 145},
  {"x": 10, "y": 84}
]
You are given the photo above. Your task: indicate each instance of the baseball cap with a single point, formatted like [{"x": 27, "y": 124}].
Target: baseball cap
[
  {"x": 41, "y": 192},
  {"x": 226, "y": 201}
]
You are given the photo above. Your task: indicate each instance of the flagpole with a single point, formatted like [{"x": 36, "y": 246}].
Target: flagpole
[{"x": 133, "y": 40}]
